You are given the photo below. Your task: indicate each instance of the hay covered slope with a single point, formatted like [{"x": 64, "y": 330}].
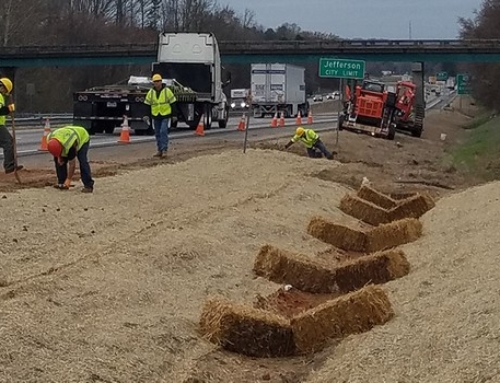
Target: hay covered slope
[
  {"x": 109, "y": 286},
  {"x": 446, "y": 328}
]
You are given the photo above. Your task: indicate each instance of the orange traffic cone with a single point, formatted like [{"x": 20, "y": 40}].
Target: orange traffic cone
[
  {"x": 274, "y": 121},
  {"x": 241, "y": 125},
  {"x": 125, "y": 132},
  {"x": 298, "y": 120},
  {"x": 310, "y": 118},
  {"x": 46, "y": 130},
  {"x": 200, "y": 129},
  {"x": 282, "y": 120}
]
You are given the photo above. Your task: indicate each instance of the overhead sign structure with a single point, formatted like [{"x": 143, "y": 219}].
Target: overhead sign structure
[
  {"x": 442, "y": 76},
  {"x": 340, "y": 68},
  {"x": 463, "y": 83}
]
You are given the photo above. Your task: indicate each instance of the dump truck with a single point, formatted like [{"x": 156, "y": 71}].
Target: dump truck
[
  {"x": 369, "y": 109},
  {"x": 190, "y": 65},
  {"x": 278, "y": 88},
  {"x": 407, "y": 118}
]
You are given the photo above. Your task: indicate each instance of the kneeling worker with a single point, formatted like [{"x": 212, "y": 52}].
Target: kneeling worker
[
  {"x": 65, "y": 144},
  {"x": 315, "y": 147}
]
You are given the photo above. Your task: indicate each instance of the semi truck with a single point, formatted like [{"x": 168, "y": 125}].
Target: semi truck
[
  {"x": 190, "y": 65},
  {"x": 278, "y": 88}
]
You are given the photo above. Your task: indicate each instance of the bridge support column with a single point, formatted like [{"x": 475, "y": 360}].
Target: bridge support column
[{"x": 417, "y": 71}]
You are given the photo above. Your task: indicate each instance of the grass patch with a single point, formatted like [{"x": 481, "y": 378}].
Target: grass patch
[
  {"x": 479, "y": 153},
  {"x": 478, "y": 121}
]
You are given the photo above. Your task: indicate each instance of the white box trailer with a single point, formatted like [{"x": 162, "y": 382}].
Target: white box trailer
[{"x": 278, "y": 88}]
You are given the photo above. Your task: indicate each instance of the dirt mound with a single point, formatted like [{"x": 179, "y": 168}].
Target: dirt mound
[
  {"x": 93, "y": 286},
  {"x": 447, "y": 306}
]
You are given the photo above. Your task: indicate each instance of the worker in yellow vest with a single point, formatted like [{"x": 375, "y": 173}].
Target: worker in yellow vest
[
  {"x": 6, "y": 141},
  {"x": 311, "y": 140},
  {"x": 66, "y": 144},
  {"x": 163, "y": 111}
]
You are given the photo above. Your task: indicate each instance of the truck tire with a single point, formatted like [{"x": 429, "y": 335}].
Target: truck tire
[
  {"x": 392, "y": 132},
  {"x": 223, "y": 123},
  {"x": 208, "y": 118},
  {"x": 417, "y": 132}
]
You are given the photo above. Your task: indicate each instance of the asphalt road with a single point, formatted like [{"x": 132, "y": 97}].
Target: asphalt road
[{"x": 29, "y": 139}]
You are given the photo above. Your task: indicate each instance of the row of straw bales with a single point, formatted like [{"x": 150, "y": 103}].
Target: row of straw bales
[
  {"x": 258, "y": 333},
  {"x": 375, "y": 208}
]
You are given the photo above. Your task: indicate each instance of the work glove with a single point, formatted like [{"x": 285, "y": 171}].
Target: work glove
[
  {"x": 12, "y": 107},
  {"x": 146, "y": 119},
  {"x": 174, "y": 119}
]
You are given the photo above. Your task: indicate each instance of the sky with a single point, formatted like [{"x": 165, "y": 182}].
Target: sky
[{"x": 391, "y": 19}]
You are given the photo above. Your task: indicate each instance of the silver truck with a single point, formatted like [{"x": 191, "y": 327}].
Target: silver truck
[{"x": 278, "y": 88}]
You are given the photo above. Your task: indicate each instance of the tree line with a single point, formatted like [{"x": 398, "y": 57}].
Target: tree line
[
  {"x": 78, "y": 22},
  {"x": 486, "y": 77}
]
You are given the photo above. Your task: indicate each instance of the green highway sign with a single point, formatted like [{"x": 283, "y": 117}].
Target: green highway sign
[
  {"x": 463, "y": 83},
  {"x": 339, "y": 68},
  {"x": 442, "y": 76}
]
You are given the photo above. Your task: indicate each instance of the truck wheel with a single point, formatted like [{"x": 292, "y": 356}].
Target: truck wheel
[
  {"x": 417, "y": 132},
  {"x": 392, "y": 132},
  {"x": 208, "y": 118}
]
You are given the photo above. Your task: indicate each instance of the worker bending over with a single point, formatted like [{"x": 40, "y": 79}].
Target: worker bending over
[
  {"x": 66, "y": 144},
  {"x": 315, "y": 147}
]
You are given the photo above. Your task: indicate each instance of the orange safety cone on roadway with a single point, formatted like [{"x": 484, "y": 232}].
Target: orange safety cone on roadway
[
  {"x": 125, "y": 132},
  {"x": 298, "y": 120},
  {"x": 241, "y": 125},
  {"x": 310, "y": 118},
  {"x": 274, "y": 121},
  {"x": 282, "y": 120},
  {"x": 46, "y": 130},
  {"x": 200, "y": 129}
]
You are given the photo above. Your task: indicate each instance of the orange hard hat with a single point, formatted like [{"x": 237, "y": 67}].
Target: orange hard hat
[{"x": 55, "y": 147}]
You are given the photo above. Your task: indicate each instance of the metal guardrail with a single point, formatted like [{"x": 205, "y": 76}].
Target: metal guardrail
[{"x": 27, "y": 120}]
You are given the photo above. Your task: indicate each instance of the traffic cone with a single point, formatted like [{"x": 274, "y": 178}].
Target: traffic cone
[
  {"x": 282, "y": 120},
  {"x": 241, "y": 125},
  {"x": 46, "y": 130},
  {"x": 310, "y": 118},
  {"x": 200, "y": 129},
  {"x": 298, "y": 120},
  {"x": 274, "y": 121},
  {"x": 125, "y": 132}
]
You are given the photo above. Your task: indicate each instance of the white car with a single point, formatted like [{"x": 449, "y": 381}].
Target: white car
[{"x": 318, "y": 97}]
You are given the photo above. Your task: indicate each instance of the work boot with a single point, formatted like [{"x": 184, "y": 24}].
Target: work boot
[
  {"x": 11, "y": 170},
  {"x": 87, "y": 189},
  {"x": 158, "y": 154}
]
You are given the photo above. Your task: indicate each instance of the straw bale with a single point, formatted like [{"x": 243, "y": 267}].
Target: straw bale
[
  {"x": 412, "y": 207},
  {"x": 246, "y": 330},
  {"x": 375, "y": 268},
  {"x": 364, "y": 210},
  {"x": 337, "y": 235},
  {"x": 353, "y": 313},
  {"x": 393, "y": 234},
  {"x": 301, "y": 272},
  {"x": 369, "y": 194}
]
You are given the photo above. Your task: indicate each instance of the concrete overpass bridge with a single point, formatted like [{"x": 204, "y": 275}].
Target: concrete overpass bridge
[{"x": 237, "y": 52}]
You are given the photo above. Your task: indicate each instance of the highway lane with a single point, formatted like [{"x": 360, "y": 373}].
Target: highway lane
[{"x": 29, "y": 140}]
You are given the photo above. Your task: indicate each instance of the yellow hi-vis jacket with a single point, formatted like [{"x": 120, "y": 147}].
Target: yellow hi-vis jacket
[
  {"x": 309, "y": 138},
  {"x": 2, "y": 103},
  {"x": 68, "y": 135},
  {"x": 160, "y": 104}
]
